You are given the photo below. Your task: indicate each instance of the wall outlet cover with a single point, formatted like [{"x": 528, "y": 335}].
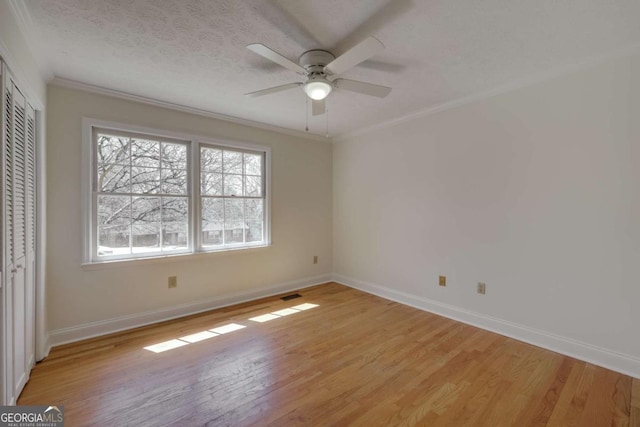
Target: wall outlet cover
[
  {"x": 173, "y": 281},
  {"x": 482, "y": 288}
]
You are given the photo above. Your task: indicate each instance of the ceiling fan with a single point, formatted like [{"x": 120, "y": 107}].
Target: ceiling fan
[{"x": 321, "y": 69}]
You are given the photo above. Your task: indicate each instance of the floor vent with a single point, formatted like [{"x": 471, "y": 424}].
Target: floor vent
[{"x": 292, "y": 296}]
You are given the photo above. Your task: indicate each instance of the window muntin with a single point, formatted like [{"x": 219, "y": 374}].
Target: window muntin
[
  {"x": 232, "y": 197},
  {"x": 154, "y": 195}
]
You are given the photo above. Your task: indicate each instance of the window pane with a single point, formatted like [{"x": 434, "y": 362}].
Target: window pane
[
  {"x": 113, "y": 240},
  {"x": 233, "y": 220},
  {"x": 174, "y": 236},
  {"x": 252, "y": 164},
  {"x": 232, "y": 162},
  {"x": 145, "y": 210},
  {"x": 145, "y": 180},
  {"x": 174, "y": 181},
  {"x": 114, "y": 219},
  {"x": 145, "y": 153},
  {"x": 254, "y": 219},
  {"x": 252, "y": 186},
  {"x": 113, "y": 178},
  {"x": 233, "y": 185},
  {"x": 175, "y": 209},
  {"x": 114, "y": 210},
  {"x": 145, "y": 232},
  {"x": 145, "y": 237},
  {"x": 174, "y": 156},
  {"x": 212, "y": 221},
  {"x": 211, "y": 184},
  {"x": 113, "y": 149},
  {"x": 210, "y": 159},
  {"x": 175, "y": 223}
]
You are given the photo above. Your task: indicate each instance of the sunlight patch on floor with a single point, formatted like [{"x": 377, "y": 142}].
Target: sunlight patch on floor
[
  {"x": 285, "y": 312},
  {"x": 166, "y": 345},
  {"x": 305, "y": 306},
  {"x": 194, "y": 338},
  {"x": 281, "y": 313},
  {"x": 225, "y": 329},
  {"x": 264, "y": 318},
  {"x": 200, "y": 336}
]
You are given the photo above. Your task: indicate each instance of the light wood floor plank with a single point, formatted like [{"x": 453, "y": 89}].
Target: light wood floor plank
[
  {"x": 355, "y": 359},
  {"x": 559, "y": 414},
  {"x": 635, "y": 404}
]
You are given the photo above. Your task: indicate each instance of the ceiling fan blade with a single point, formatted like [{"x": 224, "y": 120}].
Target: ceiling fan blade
[
  {"x": 362, "y": 51},
  {"x": 383, "y": 18},
  {"x": 318, "y": 108},
  {"x": 387, "y": 67},
  {"x": 283, "y": 19},
  {"x": 273, "y": 89},
  {"x": 274, "y": 56},
  {"x": 362, "y": 87}
]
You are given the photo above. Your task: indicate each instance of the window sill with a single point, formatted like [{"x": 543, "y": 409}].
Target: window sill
[{"x": 120, "y": 263}]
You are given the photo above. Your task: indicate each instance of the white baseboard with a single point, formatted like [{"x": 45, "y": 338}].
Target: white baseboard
[
  {"x": 618, "y": 362},
  {"x": 108, "y": 326}
]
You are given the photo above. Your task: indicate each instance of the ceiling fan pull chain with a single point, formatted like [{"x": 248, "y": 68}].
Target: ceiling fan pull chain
[
  {"x": 306, "y": 112},
  {"x": 327, "y": 114}
]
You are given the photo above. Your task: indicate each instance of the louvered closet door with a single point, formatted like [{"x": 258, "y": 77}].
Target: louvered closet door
[{"x": 19, "y": 298}]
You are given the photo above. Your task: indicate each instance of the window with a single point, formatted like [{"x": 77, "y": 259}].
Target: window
[
  {"x": 157, "y": 194},
  {"x": 231, "y": 196}
]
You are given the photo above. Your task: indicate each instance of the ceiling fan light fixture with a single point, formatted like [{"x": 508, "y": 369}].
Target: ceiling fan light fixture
[{"x": 317, "y": 89}]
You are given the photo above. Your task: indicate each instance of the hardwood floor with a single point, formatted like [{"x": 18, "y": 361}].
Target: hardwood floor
[
  {"x": 635, "y": 404},
  {"x": 355, "y": 359}
]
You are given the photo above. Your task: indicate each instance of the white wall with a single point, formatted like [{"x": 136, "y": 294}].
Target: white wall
[
  {"x": 535, "y": 192},
  {"x": 14, "y": 47},
  {"x": 301, "y": 222}
]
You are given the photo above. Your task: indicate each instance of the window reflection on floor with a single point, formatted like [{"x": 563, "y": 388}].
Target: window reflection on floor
[
  {"x": 200, "y": 336},
  {"x": 225, "y": 329},
  {"x": 167, "y": 345}
]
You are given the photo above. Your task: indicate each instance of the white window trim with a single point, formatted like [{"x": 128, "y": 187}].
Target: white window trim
[{"x": 194, "y": 249}]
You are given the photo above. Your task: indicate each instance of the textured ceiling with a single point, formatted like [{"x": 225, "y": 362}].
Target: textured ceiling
[{"x": 192, "y": 52}]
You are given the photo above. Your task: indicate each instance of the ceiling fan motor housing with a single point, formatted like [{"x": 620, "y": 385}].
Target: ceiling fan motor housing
[{"x": 314, "y": 61}]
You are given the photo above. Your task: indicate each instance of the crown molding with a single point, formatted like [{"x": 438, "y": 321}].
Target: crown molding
[
  {"x": 481, "y": 96},
  {"x": 73, "y": 84}
]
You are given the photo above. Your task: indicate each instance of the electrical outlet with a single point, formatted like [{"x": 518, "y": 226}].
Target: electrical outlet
[
  {"x": 315, "y": 259},
  {"x": 173, "y": 282},
  {"x": 482, "y": 288},
  {"x": 442, "y": 281}
]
